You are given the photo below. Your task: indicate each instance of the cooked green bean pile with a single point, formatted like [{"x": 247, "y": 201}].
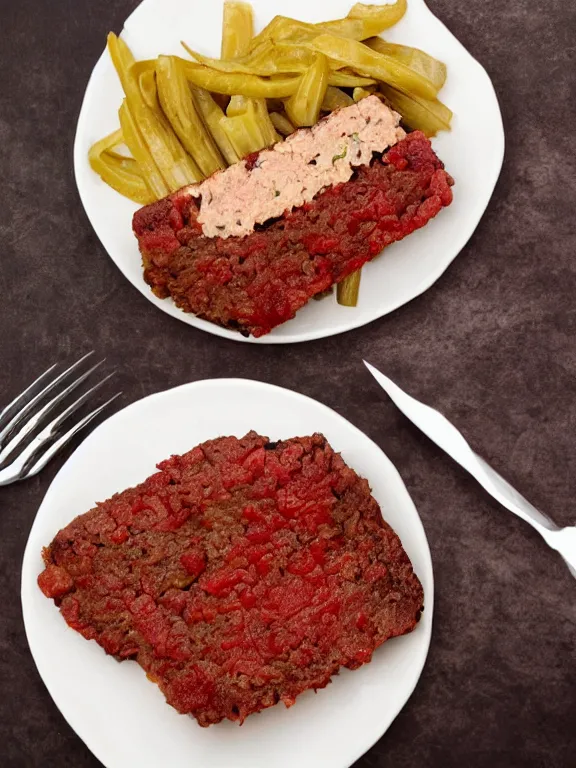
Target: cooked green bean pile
[{"x": 183, "y": 119}]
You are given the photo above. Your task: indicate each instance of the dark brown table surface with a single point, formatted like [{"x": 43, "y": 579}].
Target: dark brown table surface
[{"x": 492, "y": 345}]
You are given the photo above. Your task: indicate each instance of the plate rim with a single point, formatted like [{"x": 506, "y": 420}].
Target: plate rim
[
  {"x": 28, "y": 568},
  {"x": 167, "y": 306}
]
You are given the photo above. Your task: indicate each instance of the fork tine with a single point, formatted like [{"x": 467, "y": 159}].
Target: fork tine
[
  {"x": 6, "y": 450},
  {"x": 52, "y": 428},
  {"x": 20, "y": 399},
  {"x": 57, "y": 423},
  {"x": 62, "y": 441},
  {"x": 18, "y": 418}
]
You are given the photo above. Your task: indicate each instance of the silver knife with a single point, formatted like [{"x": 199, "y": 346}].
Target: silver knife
[{"x": 446, "y": 436}]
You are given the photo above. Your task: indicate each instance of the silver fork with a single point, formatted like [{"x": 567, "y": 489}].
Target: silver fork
[{"x": 28, "y": 411}]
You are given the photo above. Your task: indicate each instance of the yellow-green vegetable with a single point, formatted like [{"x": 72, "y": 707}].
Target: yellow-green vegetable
[
  {"x": 212, "y": 115},
  {"x": 120, "y": 172},
  {"x": 240, "y": 105},
  {"x": 284, "y": 28},
  {"x": 144, "y": 65},
  {"x": 236, "y": 106},
  {"x": 153, "y": 129},
  {"x": 141, "y": 153},
  {"x": 414, "y": 58},
  {"x": 344, "y": 78},
  {"x": 335, "y": 98},
  {"x": 361, "y": 22},
  {"x": 303, "y": 108},
  {"x": 362, "y": 93},
  {"x": 266, "y": 125},
  {"x": 281, "y": 123},
  {"x": 147, "y": 85},
  {"x": 366, "y": 20},
  {"x": 348, "y": 290},
  {"x": 427, "y": 115},
  {"x": 285, "y": 58},
  {"x": 182, "y": 120},
  {"x": 237, "y": 29},
  {"x": 231, "y": 83},
  {"x": 178, "y": 106},
  {"x": 267, "y": 59},
  {"x": 245, "y": 132},
  {"x": 369, "y": 63}
]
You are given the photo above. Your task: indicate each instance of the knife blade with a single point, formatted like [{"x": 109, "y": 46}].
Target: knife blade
[{"x": 438, "y": 429}]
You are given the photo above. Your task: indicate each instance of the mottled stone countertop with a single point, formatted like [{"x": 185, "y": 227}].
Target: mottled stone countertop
[{"x": 492, "y": 344}]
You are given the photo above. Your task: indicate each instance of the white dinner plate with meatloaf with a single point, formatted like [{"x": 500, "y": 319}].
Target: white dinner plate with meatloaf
[
  {"x": 472, "y": 153},
  {"x": 180, "y": 576}
]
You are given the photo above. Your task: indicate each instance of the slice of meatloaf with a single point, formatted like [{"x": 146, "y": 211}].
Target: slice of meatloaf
[
  {"x": 241, "y": 574},
  {"x": 258, "y": 281}
]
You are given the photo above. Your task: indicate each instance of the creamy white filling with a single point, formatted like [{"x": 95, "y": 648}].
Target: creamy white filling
[{"x": 293, "y": 171}]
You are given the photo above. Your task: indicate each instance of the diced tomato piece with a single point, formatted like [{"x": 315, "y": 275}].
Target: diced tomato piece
[
  {"x": 194, "y": 562},
  {"x": 222, "y": 580},
  {"x": 302, "y": 562},
  {"x": 191, "y": 691},
  {"x": 120, "y": 535},
  {"x": 55, "y": 581}
]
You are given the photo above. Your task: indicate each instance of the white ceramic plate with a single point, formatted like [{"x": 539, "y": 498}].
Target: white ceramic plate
[
  {"x": 472, "y": 152},
  {"x": 121, "y": 716}
]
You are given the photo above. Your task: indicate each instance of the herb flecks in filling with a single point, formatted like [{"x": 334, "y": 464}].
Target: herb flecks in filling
[{"x": 340, "y": 156}]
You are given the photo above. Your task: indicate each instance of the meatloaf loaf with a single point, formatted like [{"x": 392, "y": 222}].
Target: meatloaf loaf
[
  {"x": 240, "y": 574},
  {"x": 251, "y": 245}
]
